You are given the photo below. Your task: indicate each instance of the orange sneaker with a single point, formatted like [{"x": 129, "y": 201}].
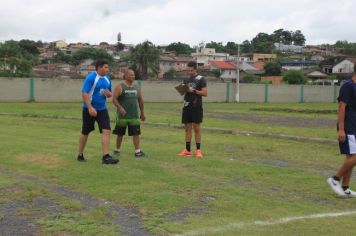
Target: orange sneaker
[
  {"x": 185, "y": 153},
  {"x": 198, "y": 154}
]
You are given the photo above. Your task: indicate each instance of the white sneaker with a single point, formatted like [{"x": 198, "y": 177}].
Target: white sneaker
[
  {"x": 349, "y": 193},
  {"x": 336, "y": 187}
]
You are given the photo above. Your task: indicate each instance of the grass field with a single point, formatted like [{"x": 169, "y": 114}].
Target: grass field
[{"x": 245, "y": 185}]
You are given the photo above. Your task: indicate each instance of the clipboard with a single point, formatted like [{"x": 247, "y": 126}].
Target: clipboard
[{"x": 182, "y": 89}]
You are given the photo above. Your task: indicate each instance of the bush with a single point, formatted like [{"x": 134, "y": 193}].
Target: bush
[{"x": 294, "y": 77}]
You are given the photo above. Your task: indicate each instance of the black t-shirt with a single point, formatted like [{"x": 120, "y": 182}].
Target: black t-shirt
[
  {"x": 191, "y": 99},
  {"x": 348, "y": 95}
]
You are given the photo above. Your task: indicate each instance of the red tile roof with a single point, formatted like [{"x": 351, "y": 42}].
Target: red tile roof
[{"x": 223, "y": 65}]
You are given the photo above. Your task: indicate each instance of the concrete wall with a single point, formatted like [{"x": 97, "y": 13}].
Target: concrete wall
[{"x": 51, "y": 90}]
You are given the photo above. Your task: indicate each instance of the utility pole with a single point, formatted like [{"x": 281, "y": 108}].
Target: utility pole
[{"x": 237, "y": 98}]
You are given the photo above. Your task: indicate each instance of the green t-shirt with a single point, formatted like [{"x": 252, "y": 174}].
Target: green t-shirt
[{"x": 128, "y": 100}]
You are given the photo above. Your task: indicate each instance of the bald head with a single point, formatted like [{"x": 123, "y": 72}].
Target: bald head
[{"x": 129, "y": 75}]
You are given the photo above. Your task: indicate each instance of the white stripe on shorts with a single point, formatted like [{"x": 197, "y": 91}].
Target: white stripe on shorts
[{"x": 352, "y": 143}]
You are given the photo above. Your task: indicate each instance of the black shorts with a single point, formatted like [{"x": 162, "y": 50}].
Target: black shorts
[
  {"x": 133, "y": 130},
  {"x": 192, "y": 115},
  {"x": 88, "y": 121}
]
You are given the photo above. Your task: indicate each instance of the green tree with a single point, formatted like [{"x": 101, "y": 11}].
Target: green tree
[
  {"x": 246, "y": 47},
  {"x": 29, "y": 46},
  {"x": 180, "y": 48},
  {"x": 216, "y": 73},
  {"x": 298, "y": 38},
  {"x": 262, "y": 43},
  {"x": 218, "y": 46},
  {"x": 273, "y": 68},
  {"x": 231, "y": 48},
  {"x": 294, "y": 77},
  {"x": 146, "y": 56},
  {"x": 282, "y": 36}
]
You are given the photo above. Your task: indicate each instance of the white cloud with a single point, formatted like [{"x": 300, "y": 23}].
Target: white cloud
[{"x": 166, "y": 21}]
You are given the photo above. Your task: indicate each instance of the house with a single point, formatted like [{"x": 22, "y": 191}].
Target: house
[
  {"x": 204, "y": 55},
  {"x": 86, "y": 67},
  {"x": 288, "y": 48},
  {"x": 262, "y": 57},
  {"x": 297, "y": 64},
  {"x": 59, "y": 44},
  {"x": 169, "y": 62},
  {"x": 55, "y": 70},
  {"x": 228, "y": 70},
  {"x": 337, "y": 66}
]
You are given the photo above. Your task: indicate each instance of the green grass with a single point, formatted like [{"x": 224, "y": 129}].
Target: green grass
[{"x": 240, "y": 180}]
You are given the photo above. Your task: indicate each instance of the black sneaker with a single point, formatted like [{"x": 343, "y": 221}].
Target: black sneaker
[
  {"x": 80, "y": 157},
  {"x": 140, "y": 154},
  {"x": 107, "y": 159}
]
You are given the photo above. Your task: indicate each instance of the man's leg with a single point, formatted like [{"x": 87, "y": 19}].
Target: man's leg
[
  {"x": 105, "y": 141},
  {"x": 136, "y": 141},
  {"x": 82, "y": 142},
  {"x": 345, "y": 170},
  {"x": 119, "y": 139},
  {"x": 197, "y": 135}
]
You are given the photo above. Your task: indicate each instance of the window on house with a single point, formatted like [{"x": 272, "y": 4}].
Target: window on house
[
  {"x": 229, "y": 72},
  {"x": 340, "y": 70}
]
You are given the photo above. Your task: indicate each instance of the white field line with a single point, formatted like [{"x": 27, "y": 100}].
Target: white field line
[{"x": 240, "y": 225}]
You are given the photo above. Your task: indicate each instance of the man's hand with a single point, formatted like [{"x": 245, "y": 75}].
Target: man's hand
[
  {"x": 341, "y": 136},
  {"x": 122, "y": 111},
  {"x": 143, "y": 117},
  {"x": 191, "y": 90},
  {"x": 92, "y": 111},
  {"x": 107, "y": 93}
]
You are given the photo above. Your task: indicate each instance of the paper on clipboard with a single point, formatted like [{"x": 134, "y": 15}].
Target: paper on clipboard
[{"x": 182, "y": 88}]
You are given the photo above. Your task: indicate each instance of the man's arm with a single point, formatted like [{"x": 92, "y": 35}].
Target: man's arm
[
  {"x": 341, "y": 121},
  {"x": 203, "y": 92},
  {"x": 86, "y": 100},
  {"x": 141, "y": 105},
  {"x": 117, "y": 93}
]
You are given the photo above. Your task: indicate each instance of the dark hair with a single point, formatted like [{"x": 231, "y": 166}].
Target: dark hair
[
  {"x": 100, "y": 63},
  {"x": 355, "y": 68},
  {"x": 192, "y": 64}
]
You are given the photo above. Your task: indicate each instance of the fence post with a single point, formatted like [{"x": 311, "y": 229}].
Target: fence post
[
  {"x": 227, "y": 91},
  {"x": 335, "y": 92},
  {"x": 301, "y": 93},
  {"x": 266, "y": 93},
  {"x": 32, "y": 90}
]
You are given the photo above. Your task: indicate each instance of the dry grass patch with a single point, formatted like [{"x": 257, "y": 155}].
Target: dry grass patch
[{"x": 49, "y": 161}]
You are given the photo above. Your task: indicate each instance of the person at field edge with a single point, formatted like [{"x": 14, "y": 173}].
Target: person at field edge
[
  {"x": 95, "y": 90},
  {"x": 339, "y": 183},
  {"x": 192, "y": 112},
  {"x": 127, "y": 98}
]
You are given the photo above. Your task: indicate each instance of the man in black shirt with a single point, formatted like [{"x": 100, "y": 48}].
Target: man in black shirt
[
  {"x": 192, "y": 114},
  {"x": 339, "y": 183}
]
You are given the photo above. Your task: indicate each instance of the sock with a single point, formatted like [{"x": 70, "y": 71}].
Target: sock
[
  {"x": 345, "y": 187},
  {"x": 336, "y": 178},
  {"x": 198, "y": 146},
  {"x": 137, "y": 150},
  {"x": 117, "y": 150},
  {"x": 187, "y": 146}
]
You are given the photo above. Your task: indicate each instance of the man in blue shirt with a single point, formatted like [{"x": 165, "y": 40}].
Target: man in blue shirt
[
  {"x": 95, "y": 90},
  {"x": 347, "y": 137}
]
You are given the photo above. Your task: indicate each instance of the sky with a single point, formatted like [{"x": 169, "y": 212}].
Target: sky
[{"x": 166, "y": 21}]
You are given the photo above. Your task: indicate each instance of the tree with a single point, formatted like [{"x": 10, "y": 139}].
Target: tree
[
  {"x": 295, "y": 77},
  {"x": 179, "y": 48},
  {"x": 146, "y": 56},
  {"x": 273, "y": 68},
  {"x": 246, "y": 47},
  {"x": 29, "y": 46},
  {"x": 216, "y": 73},
  {"x": 231, "y": 48},
  {"x": 298, "y": 38},
  {"x": 262, "y": 43},
  {"x": 218, "y": 46},
  {"x": 282, "y": 36}
]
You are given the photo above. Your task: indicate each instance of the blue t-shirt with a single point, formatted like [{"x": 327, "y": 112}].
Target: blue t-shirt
[
  {"x": 348, "y": 95},
  {"x": 96, "y": 92}
]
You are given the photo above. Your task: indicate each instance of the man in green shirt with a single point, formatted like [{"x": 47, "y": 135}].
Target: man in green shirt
[{"x": 127, "y": 98}]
